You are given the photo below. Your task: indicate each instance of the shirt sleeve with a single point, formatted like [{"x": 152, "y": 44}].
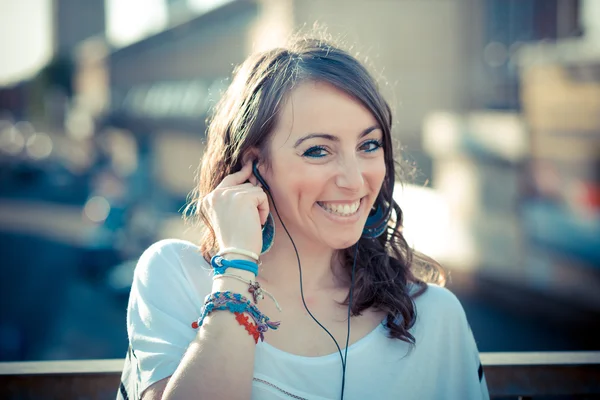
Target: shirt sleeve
[
  {"x": 162, "y": 305},
  {"x": 467, "y": 361},
  {"x": 452, "y": 346},
  {"x": 482, "y": 385},
  {"x": 477, "y": 360}
]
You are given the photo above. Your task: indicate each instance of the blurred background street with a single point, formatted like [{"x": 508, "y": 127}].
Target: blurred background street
[{"x": 102, "y": 118}]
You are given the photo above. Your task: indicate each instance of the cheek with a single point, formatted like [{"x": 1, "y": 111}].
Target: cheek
[
  {"x": 308, "y": 189},
  {"x": 303, "y": 180},
  {"x": 296, "y": 189},
  {"x": 376, "y": 174}
]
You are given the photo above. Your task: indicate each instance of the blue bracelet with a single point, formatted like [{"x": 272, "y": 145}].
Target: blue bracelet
[{"x": 220, "y": 265}]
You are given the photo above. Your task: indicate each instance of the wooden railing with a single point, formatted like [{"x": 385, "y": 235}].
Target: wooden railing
[
  {"x": 531, "y": 375},
  {"x": 517, "y": 375}
]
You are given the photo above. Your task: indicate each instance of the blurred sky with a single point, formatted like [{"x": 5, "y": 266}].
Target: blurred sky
[
  {"x": 25, "y": 40},
  {"x": 26, "y": 31}
]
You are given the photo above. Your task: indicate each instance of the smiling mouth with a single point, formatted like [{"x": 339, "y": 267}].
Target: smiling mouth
[{"x": 343, "y": 210}]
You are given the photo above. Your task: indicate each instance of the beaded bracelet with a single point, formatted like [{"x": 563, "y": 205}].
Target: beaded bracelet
[
  {"x": 236, "y": 303},
  {"x": 220, "y": 265}
]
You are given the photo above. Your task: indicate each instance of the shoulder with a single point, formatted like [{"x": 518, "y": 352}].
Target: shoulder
[
  {"x": 170, "y": 257},
  {"x": 440, "y": 298},
  {"x": 174, "y": 267},
  {"x": 173, "y": 251},
  {"x": 438, "y": 309},
  {"x": 443, "y": 334}
]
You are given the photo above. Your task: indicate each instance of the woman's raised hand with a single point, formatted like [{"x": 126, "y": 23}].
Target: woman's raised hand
[{"x": 237, "y": 209}]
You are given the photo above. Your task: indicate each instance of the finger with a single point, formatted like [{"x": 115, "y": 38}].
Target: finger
[
  {"x": 263, "y": 206},
  {"x": 237, "y": 178},
  {"x": 257, "y": 196},
  {"x": 253, "y": 180},
  {"x": 243, "y": 188}
]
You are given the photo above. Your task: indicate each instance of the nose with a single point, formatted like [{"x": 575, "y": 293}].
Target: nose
[{"x": 350, "y": 175}]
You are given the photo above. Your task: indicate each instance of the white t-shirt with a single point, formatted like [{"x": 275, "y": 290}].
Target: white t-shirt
[{"x": 172, "y": 279}]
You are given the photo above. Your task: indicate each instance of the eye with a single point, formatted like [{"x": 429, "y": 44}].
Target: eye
[
  {"x": 371, "y": 145},
  {"x": 315, "y": 152}
]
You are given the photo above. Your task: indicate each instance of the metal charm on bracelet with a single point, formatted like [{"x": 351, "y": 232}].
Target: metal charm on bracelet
[{"x": 257, "y": 292}]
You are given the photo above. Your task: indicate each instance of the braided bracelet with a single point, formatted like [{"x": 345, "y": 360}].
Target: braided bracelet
[{"x": 236, "y": 303}]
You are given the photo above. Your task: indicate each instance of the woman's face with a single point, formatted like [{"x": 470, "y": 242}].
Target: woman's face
[{"x": 327, "y": 165}]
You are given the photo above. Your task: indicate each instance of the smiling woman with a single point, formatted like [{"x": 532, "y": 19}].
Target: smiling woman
[
  {"x": 299, "y": 163},
  {"x": 332, "y": 177}
]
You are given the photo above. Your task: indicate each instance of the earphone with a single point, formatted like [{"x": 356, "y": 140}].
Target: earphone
[{"x": 343, "y": 358}]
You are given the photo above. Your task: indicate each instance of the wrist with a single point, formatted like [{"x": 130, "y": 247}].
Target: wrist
[{"x": 233, "y": 285}]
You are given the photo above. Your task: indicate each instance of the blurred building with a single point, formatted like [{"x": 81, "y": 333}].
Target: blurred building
[
  {"x": 13, "y": 101},
  {"x": 523, "y": 186},
  {"x": 75, "y": 21},
  {"x": 163, "y": 86},
  {"x": 507, "y": 26},
  {"x": 453, "y": 56},
  {"x": 506, "y": 128}
]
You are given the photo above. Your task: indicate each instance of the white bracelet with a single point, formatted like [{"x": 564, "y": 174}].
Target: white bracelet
[{"x": 242, "y": 252}]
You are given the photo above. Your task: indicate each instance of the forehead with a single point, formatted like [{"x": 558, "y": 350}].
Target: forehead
[{"x": 319, "y": 107}]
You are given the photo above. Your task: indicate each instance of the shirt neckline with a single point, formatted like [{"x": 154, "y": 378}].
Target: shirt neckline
[{"x": 380, "y": 328}]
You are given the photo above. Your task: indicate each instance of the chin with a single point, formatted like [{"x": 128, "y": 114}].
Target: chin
[{"x": 344, "y": 242}]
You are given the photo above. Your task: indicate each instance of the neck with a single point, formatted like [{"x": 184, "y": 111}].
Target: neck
[{"x": 320, "y": 268}]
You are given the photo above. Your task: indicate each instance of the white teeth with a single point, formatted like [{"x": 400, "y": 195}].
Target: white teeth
[{"x": 341, "y": 209}]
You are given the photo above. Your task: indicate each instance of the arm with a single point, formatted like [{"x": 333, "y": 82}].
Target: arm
[
  {"x": 219, "y": 363},
  {"x": 156, "y": 390},
  {"x": 174, "y": 360}
]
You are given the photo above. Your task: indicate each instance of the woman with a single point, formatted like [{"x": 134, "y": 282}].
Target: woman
[{"x": 301, "y": 145}]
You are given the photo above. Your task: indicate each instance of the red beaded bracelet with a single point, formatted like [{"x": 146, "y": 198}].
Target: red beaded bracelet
[{"x": 250, "y": 327}]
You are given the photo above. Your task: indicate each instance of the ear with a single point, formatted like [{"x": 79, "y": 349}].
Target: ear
[{"x": 249, "y": 155}]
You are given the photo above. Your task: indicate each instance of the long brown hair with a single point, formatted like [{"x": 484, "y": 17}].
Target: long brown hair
[{"x": 389, "y": 274}]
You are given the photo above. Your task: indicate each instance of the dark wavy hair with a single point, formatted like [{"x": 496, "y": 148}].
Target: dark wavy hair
[{"x": 389, "y": 274}]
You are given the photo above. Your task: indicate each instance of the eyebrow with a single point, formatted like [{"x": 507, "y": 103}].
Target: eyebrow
[{"x": 331, "y": 137}]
